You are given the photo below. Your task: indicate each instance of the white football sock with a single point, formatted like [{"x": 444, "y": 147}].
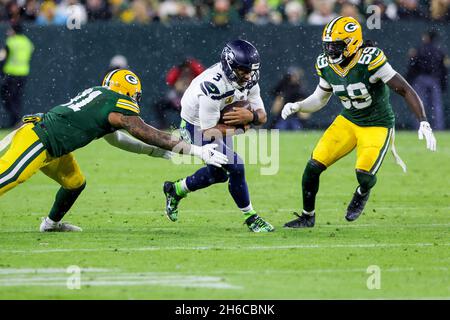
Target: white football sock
[{"x": 309, "y": 213}]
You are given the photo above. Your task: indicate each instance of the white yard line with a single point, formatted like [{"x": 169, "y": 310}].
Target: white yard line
[
  {"x": 116, "y": 279},
  {"x": 196, "y": 248},
  {"x": 7, "y": 271}
]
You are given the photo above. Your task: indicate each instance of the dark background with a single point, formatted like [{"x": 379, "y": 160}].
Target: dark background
[{"x": 68, "y": 61}]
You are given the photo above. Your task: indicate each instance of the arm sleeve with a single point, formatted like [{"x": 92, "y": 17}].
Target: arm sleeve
[
  {"x": 209, "y": 112},
  {"x": 254, "y": 98},
  {"x": 316, "y": 101},
  {"x": 384, "y": 73},
  {"x": 125, "y": 142},
  {"x": 324, "y": 84}
]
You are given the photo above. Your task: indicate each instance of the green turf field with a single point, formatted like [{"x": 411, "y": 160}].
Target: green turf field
[{"x": 130, "y": 250}]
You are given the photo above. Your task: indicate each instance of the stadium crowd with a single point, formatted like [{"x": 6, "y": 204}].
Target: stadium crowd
[{"x": 216, "y": 12}]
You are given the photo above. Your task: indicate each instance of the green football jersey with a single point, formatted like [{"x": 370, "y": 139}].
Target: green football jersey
[
  {"x": 364, "y": 96},
  {"x": 84, "y": 118}
]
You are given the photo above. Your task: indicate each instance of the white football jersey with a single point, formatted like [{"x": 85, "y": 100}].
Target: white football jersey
[{"x": 209, "y": 93}]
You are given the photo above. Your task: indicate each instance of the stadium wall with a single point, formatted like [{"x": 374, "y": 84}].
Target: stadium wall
[{"x": 67, "y": 61}]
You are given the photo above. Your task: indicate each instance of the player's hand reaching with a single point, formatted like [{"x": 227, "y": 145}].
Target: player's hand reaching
[
  {"x": 289, "y": 108},
  {"x": 209, "y": 154},
  {"x": 426, "y": 131}
]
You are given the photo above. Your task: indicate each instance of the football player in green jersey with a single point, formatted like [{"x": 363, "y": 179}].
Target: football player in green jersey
[
  {"x": 360, "y": 76},
  {"x": 46, "y": 141}
]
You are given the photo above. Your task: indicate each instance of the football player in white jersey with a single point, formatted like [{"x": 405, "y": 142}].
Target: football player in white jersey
[{"x": 234, "y": 78}]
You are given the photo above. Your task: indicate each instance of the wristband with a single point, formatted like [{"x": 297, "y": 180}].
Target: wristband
[{"x": 255, "y": 117}]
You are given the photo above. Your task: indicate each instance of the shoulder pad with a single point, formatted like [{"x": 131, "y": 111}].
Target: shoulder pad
[
  {"x": 373, "y": 57},
  {"x": 321, "y": 63},
  {"x": 209, "y": 88}
]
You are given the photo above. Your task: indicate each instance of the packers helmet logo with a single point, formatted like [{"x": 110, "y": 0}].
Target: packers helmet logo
[
  {"x": 350, "y": 27},
  {"x": 131, "y": 79}
]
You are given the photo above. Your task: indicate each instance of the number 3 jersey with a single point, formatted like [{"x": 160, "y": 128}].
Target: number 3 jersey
[
  {"x": 209, "y": 93},
  {"x": 84, "y": 118},
  {"x": 361, "y": 87}
]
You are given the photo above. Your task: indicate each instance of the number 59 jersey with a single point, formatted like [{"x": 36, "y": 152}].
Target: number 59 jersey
[
  {"x": 84, "y": 118},
  {"x": 361, "y": 87}
]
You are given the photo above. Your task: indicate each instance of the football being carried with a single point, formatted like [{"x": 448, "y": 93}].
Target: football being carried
[{"x": 232, "y": 114}]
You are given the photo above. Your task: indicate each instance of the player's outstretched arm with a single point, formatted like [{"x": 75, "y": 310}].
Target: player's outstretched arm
[
  {"x": 398, "y": 84},
  {"x": 128, "y": 143},
  {"x": 313, "y": 103},
  {"x": 152, "y": 136}
]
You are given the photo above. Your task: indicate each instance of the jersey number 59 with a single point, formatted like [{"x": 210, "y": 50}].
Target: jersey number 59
[{"x": 357, "y": 95}]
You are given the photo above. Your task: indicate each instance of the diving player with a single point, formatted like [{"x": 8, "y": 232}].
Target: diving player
[
  {"x": 360, "y": 76},
  {"x": 235, "y": 78},
  {"x": 46, "y": 141}
]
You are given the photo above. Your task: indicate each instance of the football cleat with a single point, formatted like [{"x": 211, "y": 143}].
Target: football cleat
[
  {"x": 172, "y": 200},
  {"x": 48, "y": 225},
  {"x": 356, "y": 206},
  {"x": 257, "y": 224},
  {"x": 302, "y": 221}
]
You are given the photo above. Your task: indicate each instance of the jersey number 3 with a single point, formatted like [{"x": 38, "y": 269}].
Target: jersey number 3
[{"x": 357, "y": 95}]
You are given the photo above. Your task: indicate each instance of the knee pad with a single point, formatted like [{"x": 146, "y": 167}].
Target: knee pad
[{"x": 366, "y": 180}]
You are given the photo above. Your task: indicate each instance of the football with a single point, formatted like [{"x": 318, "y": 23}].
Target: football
[{"x": 229, "y": 108}]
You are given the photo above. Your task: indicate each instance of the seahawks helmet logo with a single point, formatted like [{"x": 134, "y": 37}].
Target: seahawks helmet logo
[
  {"x": 229, "y": 55},
  {"x": 131, "y": 79},
  {"x": 350, "y": 27}
]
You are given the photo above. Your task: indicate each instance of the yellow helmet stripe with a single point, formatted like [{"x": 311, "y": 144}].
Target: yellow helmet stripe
[
  {"x": 108, "y": 77},
  {"x": 331, "y": 25}
]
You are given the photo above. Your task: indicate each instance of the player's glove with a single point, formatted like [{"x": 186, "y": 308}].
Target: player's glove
[
  {"x": 289, "y": 108},
  {"x": 209, "y": 155},
  {"x": 426, "y": 131}
]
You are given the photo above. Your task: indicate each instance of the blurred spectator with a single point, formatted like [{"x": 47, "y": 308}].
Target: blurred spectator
[
  {"x": 262, "y": 14},
  {"x": 48, "y": 15},
  {"x": 73, "y": 10},
  {"x": 175, "y": 10},
  {"x": 140, "y": 11},
  {"x": 12, "y": 12},
  {"x": 178, "y": 79},
  {"x": 428, "y": 75},
  {"x": 410, "y": 9},
  {"x": 98, "y": 10},
  {"x": 323, "y": 12},
  {"x": 223, "y": 13},
  {"x": 388, "y": 9},
  {"x": 349, "y": 9},
  {"x": 289, "y": 89},
  {"x": 440, "y": 10},
  {"x": 117, "y": 62},
  {"x": 294, "y": 12},
  {"x": 30, "y": 11},
  {"x": 244, "y": 7},
  {"x": 15, "y": 70}
]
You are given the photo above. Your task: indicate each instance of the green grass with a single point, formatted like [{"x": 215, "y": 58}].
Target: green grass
[{"x": 142, "y": 255}]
